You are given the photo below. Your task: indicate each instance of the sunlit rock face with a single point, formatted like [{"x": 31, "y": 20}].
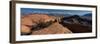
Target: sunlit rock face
[
  {"x": 55, "y": 28},
  {"x": 28, "y": 21}
]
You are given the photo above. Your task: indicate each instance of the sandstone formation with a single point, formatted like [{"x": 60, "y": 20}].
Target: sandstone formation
[
  {"x": 28, "y": 21},
  {"x": 55, "y": 28}
]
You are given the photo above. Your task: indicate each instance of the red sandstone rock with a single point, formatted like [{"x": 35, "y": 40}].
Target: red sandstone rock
[
  {"x": 28, "y": 20},
  {"x": 25, "y": 29},
  {"x": 55, "y": 28}
]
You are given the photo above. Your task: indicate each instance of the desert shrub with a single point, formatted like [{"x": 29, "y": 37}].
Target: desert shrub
[{"x": 42, "y": 25}]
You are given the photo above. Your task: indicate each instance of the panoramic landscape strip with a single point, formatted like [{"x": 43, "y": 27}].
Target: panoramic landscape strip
[{"x": 36, "y": 21}]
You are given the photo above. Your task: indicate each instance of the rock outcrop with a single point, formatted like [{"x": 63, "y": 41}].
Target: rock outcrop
[
  {"x": 55, "y": 28},
  {"x": 28, "y": 21}
]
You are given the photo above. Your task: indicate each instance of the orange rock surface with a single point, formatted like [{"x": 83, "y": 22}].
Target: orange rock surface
[
  {"x": 28, "y": 21},
  {"x": 55, "y": 28}
]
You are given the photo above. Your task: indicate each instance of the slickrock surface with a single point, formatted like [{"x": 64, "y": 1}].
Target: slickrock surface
[
  {"x": 25, "y": 29},
  {"x": 28, "y": 21},
  {"x": 55, "y": 28}
]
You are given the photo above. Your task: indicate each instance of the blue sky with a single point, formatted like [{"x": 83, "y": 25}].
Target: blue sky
[{"x": 53, "y": 11}]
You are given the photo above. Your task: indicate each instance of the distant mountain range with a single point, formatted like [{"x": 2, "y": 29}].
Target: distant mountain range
[
  {"x": 78, "y": 24},
  {"x": 75, "y": 19},
  {"x": 88, "y": 14},
  {"x": 65, "y": 15}
]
